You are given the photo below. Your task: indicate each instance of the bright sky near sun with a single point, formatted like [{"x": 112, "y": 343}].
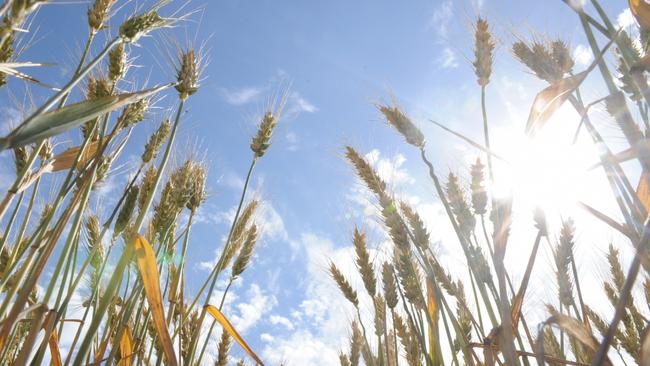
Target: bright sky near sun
[{"x": 340, "y": 57}]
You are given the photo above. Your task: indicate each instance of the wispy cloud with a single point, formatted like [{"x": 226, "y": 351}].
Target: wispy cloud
[
  {"x": 297, "y": 104},
  {"x": 447, "y": 59},
  {"x": 240, "y": 96},
  {"x": 441, "y": 18}
]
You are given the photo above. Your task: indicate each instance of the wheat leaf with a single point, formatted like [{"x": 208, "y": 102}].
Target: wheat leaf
[
  {"x": 126, "y": 348},
  {"x": 65, "y": 160},
  {"x": 225, "y": 323},
  {"x": 61, "y": 120},
  {"x": 146, "y": 260}
]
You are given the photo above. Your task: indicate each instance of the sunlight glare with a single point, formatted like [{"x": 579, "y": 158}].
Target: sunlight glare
[{"x": 547, "y": 170}]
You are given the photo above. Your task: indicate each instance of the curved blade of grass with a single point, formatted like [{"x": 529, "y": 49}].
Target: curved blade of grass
[
  {"x": 146, "y": 260},
  {"x": 225, "y": 323},
  {"x": 61, "y": 120},
  {"x": 126, "y": 348}
]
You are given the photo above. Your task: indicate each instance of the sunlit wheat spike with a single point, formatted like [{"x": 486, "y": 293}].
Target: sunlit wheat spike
[
  {"x": 419, "y": 232},
  {"x": 409, "y": 278},
  {"x": 477, "y": 186},
  {"x": 124, "y": 217},
  {"x": 343, "y": 359},
  {"x": 390, "y": 287},
  {"x": 380, "y": 315},
  {"x": 238, "y": 233},
  {"x": 343, "y": 284},
  {"x": 262, "y": 140},
  {"x": 138, "y": 26},
  {"x": 198, "y": 193},
  {"x": 552, "y": 346},
  {"x": 459, "y": 205},
  {"x": 187, "y": 73},
  {"x": 98, "y": 14},
  {"x": 356, "y": 341},
  {"x": 147, "y": 185},
  {"x": 363, "y": 262},
  {"x": 117, "y": 63},
  {"x": 246, "y": 252},
  {"x": 133, "y": 113},
  {"x": 616, "y": 106},
  {"x": 483, "y": 51},
  {"x": 563, "y": 254},
  {"x": 223, "y": 349},
  {"x": 365, "y": 172},
  {"x": 403, "y": 125},
  {"x": 156, "y": 141}
]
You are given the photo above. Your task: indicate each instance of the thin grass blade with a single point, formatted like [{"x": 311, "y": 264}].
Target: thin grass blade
[{"x": 61, "y": 120}]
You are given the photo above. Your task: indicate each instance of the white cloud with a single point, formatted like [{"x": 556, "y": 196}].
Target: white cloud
[
  {"x": 297, "y": 104},
  {"x": 323, "y": 316},
  {"x": 583, "y": 55},
  {"x": 441, "y": 18},
  {"x": 301, "y": 348},
  {"x": 447, "y": 59},
  {"x": 280, "y": 320},
  {"x": 240, "y": 96},
  {"x": 625, "y": 19},
  {"x": 390, "y": 170},
  {"x": 256, "y": 306}
]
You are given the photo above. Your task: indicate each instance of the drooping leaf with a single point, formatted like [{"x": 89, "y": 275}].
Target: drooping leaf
[
  {"x": 146, "y": 261},
  {"x": 64, "y": 160},
  {"x": 228, "y": 327},
  {"x": 61, "y": 120},
  {"x": 551, "y": 99},
  {"x": 641, "y": 11},
  {"x": 578, "y": 331},
  {"x": 126, "y": 348}
]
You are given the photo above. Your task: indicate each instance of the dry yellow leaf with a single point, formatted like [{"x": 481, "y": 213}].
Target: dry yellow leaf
[
  {"x": 126, "y": 348},
  {"x": 641, "y": 11},
  {"x": 551, "y": 99},
  {"x": 225, "y": 323},
  {"x": 643, "y": 190},
  {"x": 65, "y": 160},
  {"x": 146, "y": 260},
  {"x": 53, "y": 342}
]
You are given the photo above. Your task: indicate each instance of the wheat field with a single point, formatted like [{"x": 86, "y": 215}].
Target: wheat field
[{"x": 111, "y": 210}]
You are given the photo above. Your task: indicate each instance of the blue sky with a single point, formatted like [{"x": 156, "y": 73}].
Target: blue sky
[{"x": 340, "y": 57}]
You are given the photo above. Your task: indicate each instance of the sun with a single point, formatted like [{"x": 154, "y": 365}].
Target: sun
[{"x": 548, "y": 170}]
